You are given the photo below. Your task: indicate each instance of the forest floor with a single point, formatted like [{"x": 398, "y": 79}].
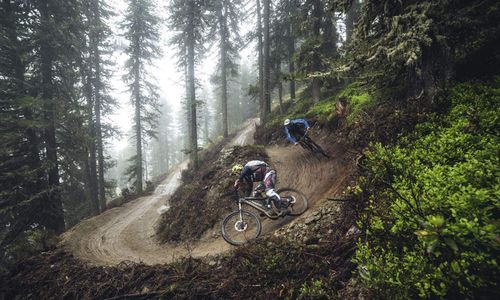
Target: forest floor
[{"x": 127, "y": 233}]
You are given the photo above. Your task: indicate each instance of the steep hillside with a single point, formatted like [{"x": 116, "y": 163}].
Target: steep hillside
[
  {"x": 315, "y": 255},
  {"x": 406, "y": 206}
]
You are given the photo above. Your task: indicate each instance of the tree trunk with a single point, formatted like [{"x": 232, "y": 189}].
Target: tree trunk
[
  {"x": 192, "y": 88},
  {"x": 261, "y": 62},
  {"x": 316, "y": 63},
  {"x": 138, "y": 125},
  {"x": 205, "y": 123},
  {"x": 89, "y": 95},
  {"x": 19, "y": 70},
  {"x": 138, "y": 148},
  {"x": 267, "y": 67},
  {"x": 91, "y": 163},
  {"x": 223, "y": 53},
  {"x": 187, "y": 137},
  {"x": 351, "y": 18},
  {"x": 279, "y": 83},
  {"x": 291, "y": 63},
  {"x": 98, "y": 92},
  {"x": 55, "y": 218},
  {"x": 329, "y": 45},
  {"x": 166, "y": 154}
]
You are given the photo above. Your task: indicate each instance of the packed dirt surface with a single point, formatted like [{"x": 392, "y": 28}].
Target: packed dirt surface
[
  {"x": 127, "y": 233},
  {"x": 316, "y": 176}
]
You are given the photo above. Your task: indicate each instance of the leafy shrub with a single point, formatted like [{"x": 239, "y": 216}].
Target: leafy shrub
[
  {"x": 313, "y": 290},
  {"x": 29, "y": 242},
  {"x": 431, "y": 222},
  {"x": 324, "y": 110},
  {"x": 358, "y": 98}
]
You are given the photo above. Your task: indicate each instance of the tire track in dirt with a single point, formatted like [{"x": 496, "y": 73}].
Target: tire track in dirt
[
  {"x": 316, "y": 176},
  {"x": 128, "y": 232}
]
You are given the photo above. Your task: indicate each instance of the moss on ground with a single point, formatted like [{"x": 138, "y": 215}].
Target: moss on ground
[{"x": 358, "y": 98}]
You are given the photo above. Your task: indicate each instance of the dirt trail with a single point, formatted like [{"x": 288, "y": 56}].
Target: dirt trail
[
  {"x": 314, "y": 175},
  {"x": 127, "y": 232}
]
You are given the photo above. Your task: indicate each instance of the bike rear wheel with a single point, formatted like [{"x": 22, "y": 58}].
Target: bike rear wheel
[
  {"x": 297, "y": 202},
  {"x": 238, "y": 229}
]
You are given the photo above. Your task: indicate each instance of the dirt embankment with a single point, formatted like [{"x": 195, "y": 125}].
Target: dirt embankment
[
  {"x": 128, "y": 232},
  {"x": 267, "y": 269},
  {"x": 197, "y": 205}
]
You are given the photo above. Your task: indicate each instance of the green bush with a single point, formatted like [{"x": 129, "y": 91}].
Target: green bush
[
  {"x": 358, "y": 98},
  {"x": 431, "y": 222},
  {"x": 314, "y": 289},
  {"x": 324, "y": 111}
]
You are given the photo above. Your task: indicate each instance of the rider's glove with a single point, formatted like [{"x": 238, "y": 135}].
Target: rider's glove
[{"x": 236, "y": 183}]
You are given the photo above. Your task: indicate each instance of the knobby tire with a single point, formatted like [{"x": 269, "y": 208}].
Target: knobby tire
[
  {"x": 301, "y": 203},
  {"x": 229, "y": 232}
]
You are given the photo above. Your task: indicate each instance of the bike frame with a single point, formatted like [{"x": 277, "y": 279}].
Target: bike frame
[
  {"x": 250, "y": 201},
  {"x": 303, "y": 143}
]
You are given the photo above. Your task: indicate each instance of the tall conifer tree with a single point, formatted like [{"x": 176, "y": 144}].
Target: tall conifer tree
[
  {"x": 188, "y": 18},
  {"x": 142, "y": 33},
  {"x": 226, "y": 16}
]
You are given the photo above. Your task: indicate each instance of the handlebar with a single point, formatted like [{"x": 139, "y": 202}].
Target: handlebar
[{"x": 305, "y": 134}]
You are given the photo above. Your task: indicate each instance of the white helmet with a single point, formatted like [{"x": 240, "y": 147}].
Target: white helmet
[{"x": 287, "y": 121}]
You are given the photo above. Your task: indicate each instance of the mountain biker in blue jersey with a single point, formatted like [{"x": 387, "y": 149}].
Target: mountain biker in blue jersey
[
  {"x": 255, "y": 171},
  {"x": 295, "y": 129}
]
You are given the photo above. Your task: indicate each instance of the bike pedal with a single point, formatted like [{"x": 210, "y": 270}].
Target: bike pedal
[{"x": 283, "y": 212}]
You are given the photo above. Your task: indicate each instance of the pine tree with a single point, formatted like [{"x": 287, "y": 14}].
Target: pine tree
[
  {"x": 22, "y": 179},
  {"x": 351, "y": 17},
  {"x": 99, "y": 102},
  {"x": 260, "y": 48},
  {"x": 59, "y": 41},
  {"x": 162, "y": 151},
  {"x": 290, "y": 20},
  {"x": 47, "y": 32},
  {"x": 225, "y": 30},
  {"x": 317, "y": 27},
  {"x": 42, "y": 116},
  {"x": 142, "y": 33},
  {"x": 188, "y": 18},
  {"x": 267, "y": 60}
]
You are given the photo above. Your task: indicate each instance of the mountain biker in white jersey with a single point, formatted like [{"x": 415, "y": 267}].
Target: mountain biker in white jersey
[{"x": 255, "y": 171}]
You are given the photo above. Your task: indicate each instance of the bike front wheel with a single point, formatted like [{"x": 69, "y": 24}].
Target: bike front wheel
[
  {"x": 297, "y": 202},
  {"x": 240, "y": 227},
  {"x": 315, "y": 147}
]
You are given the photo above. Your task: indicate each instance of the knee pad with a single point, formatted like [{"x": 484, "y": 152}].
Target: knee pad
[{"x": 271, "y": 193}]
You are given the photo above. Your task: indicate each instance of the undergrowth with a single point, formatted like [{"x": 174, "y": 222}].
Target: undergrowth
[
  {"x": 431, "y": 220},
  {"x": 356, "y": 95}
]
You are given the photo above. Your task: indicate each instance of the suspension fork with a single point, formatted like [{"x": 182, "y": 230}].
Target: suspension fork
[{"x": 241, "y": 213}]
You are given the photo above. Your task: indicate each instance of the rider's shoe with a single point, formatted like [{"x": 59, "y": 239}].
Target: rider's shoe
[
  {"x": 257, "y": 194},
  {"x": 283, "y": 212}
]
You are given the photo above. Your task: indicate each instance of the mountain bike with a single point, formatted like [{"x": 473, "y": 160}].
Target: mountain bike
[
  {"x": 242, "y": 225},
  {"x": 307, "y": 143}
]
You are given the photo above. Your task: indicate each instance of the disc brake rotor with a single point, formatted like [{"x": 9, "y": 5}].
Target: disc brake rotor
[
  {"x": 291, "y": 199},
  {"x": 240, "y": 226}
]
